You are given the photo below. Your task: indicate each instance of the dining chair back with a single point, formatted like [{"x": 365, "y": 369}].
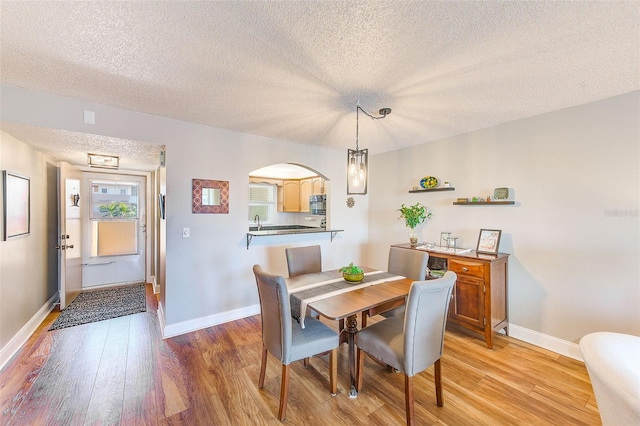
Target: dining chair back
[
  {"x": 411, "y": 264},
  {"x": 303, "y": 260},
  {"x": 411, "y": 345},
  {"x": 285, "y": 339}
]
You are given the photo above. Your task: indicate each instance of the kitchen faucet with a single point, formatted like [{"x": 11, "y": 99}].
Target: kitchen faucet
[{"x": 256, "y": 219}]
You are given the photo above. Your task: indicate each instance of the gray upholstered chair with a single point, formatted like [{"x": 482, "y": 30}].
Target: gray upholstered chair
[
  {"x": 408, "y": 263},
  {"x": 283, "y": 337},
  {"x": 613, "y": 364},
  {"x": 413, "y": 344},
  {"x": 303, "y": 260}
]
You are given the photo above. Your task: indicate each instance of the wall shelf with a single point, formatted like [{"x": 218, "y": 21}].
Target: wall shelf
[
  {"x": 431, "y": 190},
  {"x": 483, "y": 203}
]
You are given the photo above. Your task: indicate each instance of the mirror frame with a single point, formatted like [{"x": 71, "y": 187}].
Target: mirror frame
[{"x": 198, "y": 207}]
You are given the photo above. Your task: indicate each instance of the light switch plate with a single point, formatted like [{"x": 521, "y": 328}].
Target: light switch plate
[{"x": 186, "y": 232}]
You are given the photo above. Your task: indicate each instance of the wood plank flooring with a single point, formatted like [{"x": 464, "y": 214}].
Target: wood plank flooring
[{"x": 120, "y": 371}]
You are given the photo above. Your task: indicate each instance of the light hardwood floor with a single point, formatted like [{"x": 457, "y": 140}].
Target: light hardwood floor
[{"x": 120, "y": 371}]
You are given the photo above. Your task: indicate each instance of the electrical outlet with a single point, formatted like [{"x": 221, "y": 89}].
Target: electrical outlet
[{"x": 186, "y": 232}]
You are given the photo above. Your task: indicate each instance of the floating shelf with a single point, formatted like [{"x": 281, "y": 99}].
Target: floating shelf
[
  {"x": 483, "y": 203},
  {"x": 432, "y": 190}
]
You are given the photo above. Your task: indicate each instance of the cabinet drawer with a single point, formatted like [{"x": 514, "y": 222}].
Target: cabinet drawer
[{"x": 474, "y": 269}]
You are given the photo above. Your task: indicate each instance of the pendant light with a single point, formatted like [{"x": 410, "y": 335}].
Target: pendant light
[{"x": 358, "y": 159}]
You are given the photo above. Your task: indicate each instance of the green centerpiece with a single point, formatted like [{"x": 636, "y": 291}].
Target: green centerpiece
[
  {"x": 414, "y": 216},
  {"x": 352, "y": 273}
]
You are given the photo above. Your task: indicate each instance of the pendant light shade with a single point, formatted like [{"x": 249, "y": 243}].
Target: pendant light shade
[
  {"x": 358, "y": 171},
  {"x": 358, "y": 160}
]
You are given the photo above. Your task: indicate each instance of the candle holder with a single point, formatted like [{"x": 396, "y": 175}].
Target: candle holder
[{"x": 444, "y": 236}]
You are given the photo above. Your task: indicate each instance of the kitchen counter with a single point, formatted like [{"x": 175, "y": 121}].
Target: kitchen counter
[{"x": 286, "y": 230}]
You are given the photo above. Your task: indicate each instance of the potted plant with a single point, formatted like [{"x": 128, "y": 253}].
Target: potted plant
[
  {"x": 352, "y": 273},
  {"x": 414, "y": 216}
]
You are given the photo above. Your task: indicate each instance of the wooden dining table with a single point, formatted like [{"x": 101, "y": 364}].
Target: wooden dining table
[{"x": 348, "y": 304}]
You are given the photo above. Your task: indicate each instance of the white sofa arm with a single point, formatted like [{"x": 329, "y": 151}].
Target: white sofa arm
[{"x": 613, "y": 364}]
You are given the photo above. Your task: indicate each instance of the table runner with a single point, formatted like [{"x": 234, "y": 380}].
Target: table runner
[{"x": 301, "y": 297}]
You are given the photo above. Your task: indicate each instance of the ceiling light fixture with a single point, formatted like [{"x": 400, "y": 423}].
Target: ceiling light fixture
[
  {"x": 103, "y": 161},
  {"x": 358, "y": 159}
]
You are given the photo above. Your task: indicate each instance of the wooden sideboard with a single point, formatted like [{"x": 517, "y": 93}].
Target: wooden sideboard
[{"x": 479, "y": 301}]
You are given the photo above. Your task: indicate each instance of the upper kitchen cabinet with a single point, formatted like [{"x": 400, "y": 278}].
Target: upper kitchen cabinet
[
  {"x": 306, "y": 190},
  {"x": 291, "y": 196},
  {"x": 317, "y": 185}
]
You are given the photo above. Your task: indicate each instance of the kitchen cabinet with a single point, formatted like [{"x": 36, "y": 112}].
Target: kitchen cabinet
[
  {"x": 479, "y": 301},
  {"x": 271, "y": 181},
  {"x": 306, "y": 190},
  {"x": 317, "y": 186},
  {"x": 291, "y": 195}
]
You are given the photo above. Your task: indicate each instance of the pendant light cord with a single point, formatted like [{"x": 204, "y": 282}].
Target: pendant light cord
[{"x": 383, "y": 113}]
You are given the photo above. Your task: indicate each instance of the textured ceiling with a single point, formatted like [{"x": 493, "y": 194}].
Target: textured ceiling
[{"x": 296, "y": 70}]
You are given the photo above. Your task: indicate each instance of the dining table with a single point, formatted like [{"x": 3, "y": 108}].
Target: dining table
[{"x": 329, "y": 295}]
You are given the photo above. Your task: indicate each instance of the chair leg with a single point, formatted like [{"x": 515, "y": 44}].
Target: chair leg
[
  {"x": 284, "y": 392},
  {"x": 437, "y": 373},
  {"x": 263, "y": 367},
  {"x": 333, "y": 371},
  {"x": 360, "y": 370},
  {"x": 408, "y": 399}
]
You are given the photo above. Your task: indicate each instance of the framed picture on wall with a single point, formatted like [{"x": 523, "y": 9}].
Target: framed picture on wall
[
  {"x": 489, "y": 241},
  {"x": 16, "y": 205}
]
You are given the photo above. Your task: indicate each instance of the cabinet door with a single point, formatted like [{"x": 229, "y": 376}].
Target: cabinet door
[
  {"x": 318, "y": 186},
  {"x": 291, "y": 195},
  {"x": 305, "y": 193},
  {"x": 467, "y": 305}
]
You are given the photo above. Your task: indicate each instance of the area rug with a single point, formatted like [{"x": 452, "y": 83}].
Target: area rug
[{"x": 100, "y": 305}]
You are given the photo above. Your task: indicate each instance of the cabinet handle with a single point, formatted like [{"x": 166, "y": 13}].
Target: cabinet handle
[{"x": 465, "y": 269}]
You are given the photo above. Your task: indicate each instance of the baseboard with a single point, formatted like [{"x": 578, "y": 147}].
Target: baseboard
[
  {"x": 161, "y": 318},
  {"x": 173, "y": 330},
  {"x": 112, "y": 285},
  {"x": 562, "y": 347},
  {"x": 154, "y": 283},
  {"x": 14, "y": 345}
]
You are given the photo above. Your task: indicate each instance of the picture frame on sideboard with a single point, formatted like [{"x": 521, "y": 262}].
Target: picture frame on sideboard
[{"x": 488, "y": 241}]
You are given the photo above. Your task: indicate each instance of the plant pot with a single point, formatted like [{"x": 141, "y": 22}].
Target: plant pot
[
  {"x": 413, "y": 241},
  {"x": 353, "y": 278}
]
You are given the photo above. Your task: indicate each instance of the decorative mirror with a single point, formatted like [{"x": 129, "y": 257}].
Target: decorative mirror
[{"x": 210, "y": 196}]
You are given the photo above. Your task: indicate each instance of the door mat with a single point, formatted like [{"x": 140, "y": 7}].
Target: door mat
[{"x": 100, "y": 305}]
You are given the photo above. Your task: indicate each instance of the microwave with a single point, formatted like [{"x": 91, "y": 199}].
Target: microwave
[{"x": 318, "y": 204}]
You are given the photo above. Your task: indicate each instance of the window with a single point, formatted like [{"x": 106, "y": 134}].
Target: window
[
  {"x": 114, "y": 218},
  {"x": 262, "y": 202}
]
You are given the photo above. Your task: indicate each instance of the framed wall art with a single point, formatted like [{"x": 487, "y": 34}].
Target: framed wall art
[
  {"x": 489, "y": 241},
  {"x": 17, "y": 200},
  {"x": 210, "y": 196}
]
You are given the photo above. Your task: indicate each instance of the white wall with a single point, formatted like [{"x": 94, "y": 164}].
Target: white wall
[
  {"x": 574, "y": 232},
  {"x": 208, "y": 276},
  {"x": 28, "y": 269}
]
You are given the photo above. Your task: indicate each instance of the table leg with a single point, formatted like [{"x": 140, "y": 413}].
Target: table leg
[{"x": 352, "y": 329}]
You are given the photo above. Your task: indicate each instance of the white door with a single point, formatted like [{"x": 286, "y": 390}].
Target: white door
[
  {"x": 115, "y": 230},
  {"x": 69, "y": 234}
]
